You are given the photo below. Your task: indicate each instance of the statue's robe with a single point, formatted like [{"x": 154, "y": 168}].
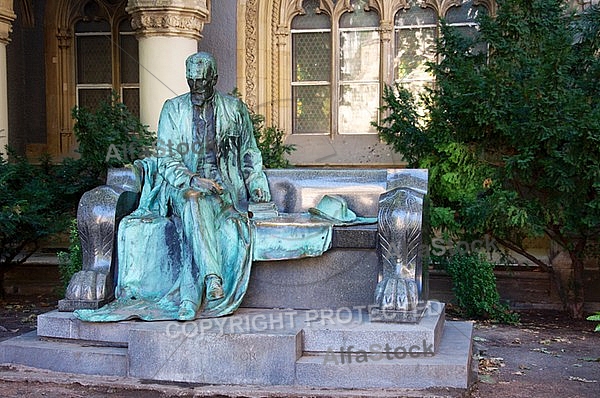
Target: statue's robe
[{"x": 156, "y": 267}]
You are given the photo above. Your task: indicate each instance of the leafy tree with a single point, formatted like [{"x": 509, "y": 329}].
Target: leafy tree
[{"x": 512, "y": 136}]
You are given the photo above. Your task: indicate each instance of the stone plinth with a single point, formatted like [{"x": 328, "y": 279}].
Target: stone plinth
[{"x": 306, "y": 348}]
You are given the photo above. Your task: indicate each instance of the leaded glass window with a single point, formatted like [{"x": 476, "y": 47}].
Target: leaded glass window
[
  {"x": 335, "y": 70},
  {"x": 359, "y": 71},
  {"x": 106, "y": 60},
  {"x": 311, "y": 72},
  {"x": 416, "y": 30}
]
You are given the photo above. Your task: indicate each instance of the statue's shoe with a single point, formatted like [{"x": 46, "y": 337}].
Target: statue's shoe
[
  {"x": 187, "y": 311},
  {"x": 214, "y": 288}
]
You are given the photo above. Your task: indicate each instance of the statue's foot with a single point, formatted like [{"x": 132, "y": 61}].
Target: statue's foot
[
  {"x": 214, "y": 287},
  {"x": 187, "y": 311}
]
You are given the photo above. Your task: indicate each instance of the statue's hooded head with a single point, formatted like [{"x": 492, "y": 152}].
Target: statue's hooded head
[{"x": 201, "y": 74}]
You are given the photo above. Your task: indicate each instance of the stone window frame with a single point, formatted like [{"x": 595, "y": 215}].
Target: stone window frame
[
  {"x": 116, "y": 83},
  {"x": 264, "y": 50},
  {"x": 61, "y": 84}
]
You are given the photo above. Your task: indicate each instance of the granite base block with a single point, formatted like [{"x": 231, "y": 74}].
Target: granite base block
[
  {"x": 287, "y": 347},
  {"x": 61, "y": 356},
  {"x": 450, "y": 367},
  {"x": 230, "y": 358},
  {"x": 339, "y": 278}
]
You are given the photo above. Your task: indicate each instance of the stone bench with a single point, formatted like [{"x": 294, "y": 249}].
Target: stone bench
[{"x": 344, "y": 276}]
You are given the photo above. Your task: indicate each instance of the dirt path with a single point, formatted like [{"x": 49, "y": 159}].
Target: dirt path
[{"x": 548, "y": 355}]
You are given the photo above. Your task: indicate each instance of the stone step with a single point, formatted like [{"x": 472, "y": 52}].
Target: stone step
[
  {"x": 336, "y": 330},
  {"x": 322, "y": 329},
  {"x": 60, "y": 356},
  {"x": 64, "y": 325},
  {"x": 258, "y": 358},
  {"x": 319, "y": 348},
  {"x": 450, "y": 367}
]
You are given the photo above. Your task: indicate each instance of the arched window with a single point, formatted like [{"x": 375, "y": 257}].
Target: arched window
[
  {"x": 106, "y": 53},
  {"x": 335, "y": 69},
  {"x": 316, "y": 68}
]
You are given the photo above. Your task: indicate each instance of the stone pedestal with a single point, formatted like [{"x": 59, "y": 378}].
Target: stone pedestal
[{"x": 303, "y": 348}]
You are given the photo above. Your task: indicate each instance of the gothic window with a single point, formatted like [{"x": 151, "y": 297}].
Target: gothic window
[
  {"x": 416, "y": 30},
  {"x": 335, "y": 69},
  {"x": 337, "y": 64},
  {"x": 320, "y": 73},
  {"x": 311, "y": 72},
  {"x": 106, "y": 60}
]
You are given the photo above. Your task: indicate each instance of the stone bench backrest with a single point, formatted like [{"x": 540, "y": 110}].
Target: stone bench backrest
[{"x": 296, "y": 190}]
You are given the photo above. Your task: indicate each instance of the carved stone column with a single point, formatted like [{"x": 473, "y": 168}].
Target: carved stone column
[
  {"x": 168, "y": 32},
  {"x": 6, "y": 17}
]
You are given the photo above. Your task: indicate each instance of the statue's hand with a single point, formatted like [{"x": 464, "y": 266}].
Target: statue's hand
[
  {"x": 206, "y": 186},
  {"x": 88, "y": 286},
  {"x": 260, "y": 195}
]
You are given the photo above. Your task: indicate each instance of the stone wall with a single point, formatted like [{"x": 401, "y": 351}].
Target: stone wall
[{"x": 220, "y": 39}]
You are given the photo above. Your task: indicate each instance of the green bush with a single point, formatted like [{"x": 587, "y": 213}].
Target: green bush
[
  {"x": 270, "y": 142},
  {"x": 110, "y": 136},
  {"x": 474, "y": 286},
  {"x": 70, "y": 262},
  {"x": 38, "y": 200},
  {"x": 32, "y": 206}
]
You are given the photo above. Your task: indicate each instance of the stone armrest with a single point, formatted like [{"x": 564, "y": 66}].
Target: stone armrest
[{"x": 98, "y": 215}]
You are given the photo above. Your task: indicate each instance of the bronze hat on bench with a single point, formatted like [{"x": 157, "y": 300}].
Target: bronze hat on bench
[{"x": 335, "y": 209}]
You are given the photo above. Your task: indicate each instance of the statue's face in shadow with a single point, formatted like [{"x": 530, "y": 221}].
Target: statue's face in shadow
[{"x": 201, "y": 78}]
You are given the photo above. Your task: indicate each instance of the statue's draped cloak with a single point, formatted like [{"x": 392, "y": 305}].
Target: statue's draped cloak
[{"x": 154, "y": 265}]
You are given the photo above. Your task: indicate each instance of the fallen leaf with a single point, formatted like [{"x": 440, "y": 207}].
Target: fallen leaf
[{"x": 582, "y": 380}]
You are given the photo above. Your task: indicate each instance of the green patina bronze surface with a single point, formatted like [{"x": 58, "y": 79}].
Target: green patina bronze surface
[{"x": 191, "y": 223}]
